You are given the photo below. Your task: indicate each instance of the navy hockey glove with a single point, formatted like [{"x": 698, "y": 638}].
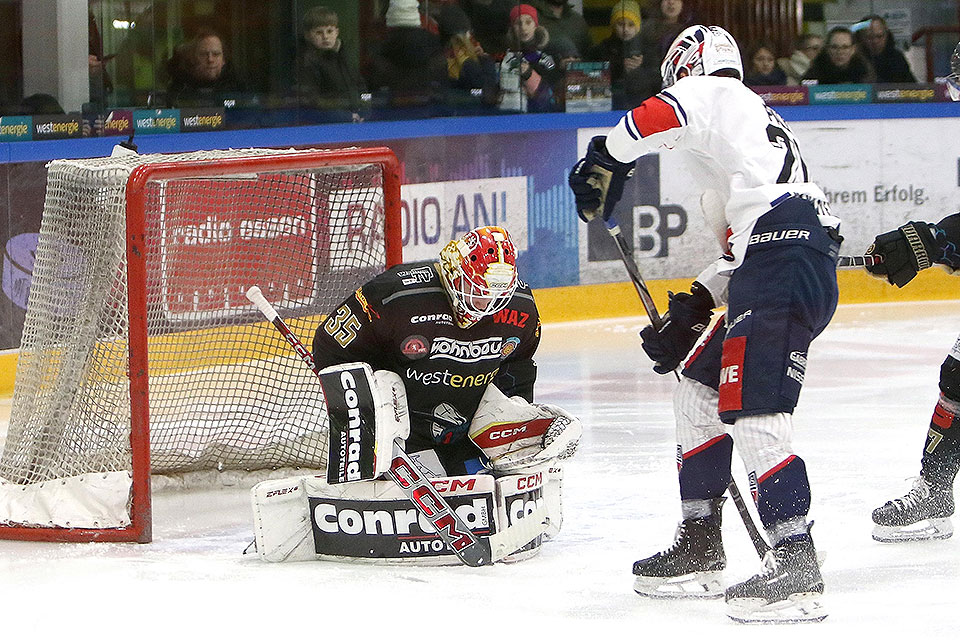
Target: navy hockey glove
[
  {"x": 905, "y": 252},
  {"x": 687, "y": 317},
  {"x": 597, "y": 181}
]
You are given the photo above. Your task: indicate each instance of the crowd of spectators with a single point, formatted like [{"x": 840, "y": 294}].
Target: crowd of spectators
[{"x": 496, "y": 56}]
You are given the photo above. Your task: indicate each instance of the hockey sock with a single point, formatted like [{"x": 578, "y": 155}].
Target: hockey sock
[
  {"x": 783, "y": 492},
  {"x": 941, "y": 451},
  {"x": 705, "y": 470}
]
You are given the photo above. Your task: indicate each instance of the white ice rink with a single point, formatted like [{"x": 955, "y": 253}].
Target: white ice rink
[{"x": 870, "y": 389}]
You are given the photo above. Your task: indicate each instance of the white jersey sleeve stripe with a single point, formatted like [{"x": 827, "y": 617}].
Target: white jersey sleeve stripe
[
  {"x": 630, "y": 127},
  {"x": 673, "y": 102}
]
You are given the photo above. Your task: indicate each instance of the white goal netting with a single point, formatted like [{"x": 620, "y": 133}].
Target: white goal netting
[{"x": 224, "y": 389}]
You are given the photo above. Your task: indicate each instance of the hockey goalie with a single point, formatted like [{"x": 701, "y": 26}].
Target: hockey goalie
[{"x": 440, "y": 355}]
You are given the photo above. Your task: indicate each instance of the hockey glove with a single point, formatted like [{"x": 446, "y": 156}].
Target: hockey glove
[
  {"x": 597, "y": 181},
  {"x": 905, "y": 252},
  {"x": 687, "y": 317}
]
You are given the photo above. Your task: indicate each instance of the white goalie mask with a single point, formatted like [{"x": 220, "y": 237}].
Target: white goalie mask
[
  {"x": 953, "y": 80},
  {"x": 701, "y": 51}
]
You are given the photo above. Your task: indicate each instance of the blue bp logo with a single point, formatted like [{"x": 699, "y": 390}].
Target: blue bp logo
[{"x": 448, "y": 424}]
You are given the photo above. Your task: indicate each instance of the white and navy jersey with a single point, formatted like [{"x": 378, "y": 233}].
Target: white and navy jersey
[
  {"x": 736, "y": 149},
  {"x": 402, "y": 321}
]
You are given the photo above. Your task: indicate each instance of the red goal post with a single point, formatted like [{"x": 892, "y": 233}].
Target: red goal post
[{"x": 140, "y": 352}]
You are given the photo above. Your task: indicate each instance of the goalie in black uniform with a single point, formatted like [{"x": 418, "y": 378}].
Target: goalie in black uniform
[
  {"x": 449, "y": 329},
  {"x": 448, "y": 344},
  {"x": 924, "y": 512}
]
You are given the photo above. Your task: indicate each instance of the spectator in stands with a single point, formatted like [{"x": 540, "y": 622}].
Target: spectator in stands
[
  {"x": 471, "y": 71},
  {"x": 409, "y": 66},
  {"x": 201, "y": 74},
  {"x": 666, "y": 23},
  {"x": 490, "y": 20},
  {"x": 876, "y": 45},
  {"x": 840, "y": 62},
  {"x": 806, "y": 49},
  {"x": 562, "y": 22},
  {"x": 529, "y": 74},
  {"x": 634, "y": 65},
  {"x": 762, "y": 69},
  {"x": 326, "y": 76}
]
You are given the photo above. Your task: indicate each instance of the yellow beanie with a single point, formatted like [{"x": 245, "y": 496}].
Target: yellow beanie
[{"x": 625, "y": 10}]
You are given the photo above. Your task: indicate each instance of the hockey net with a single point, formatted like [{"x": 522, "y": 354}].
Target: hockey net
[{"x": 140, "y": 352}]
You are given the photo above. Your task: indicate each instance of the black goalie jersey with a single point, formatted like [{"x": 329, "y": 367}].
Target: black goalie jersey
[{"x": 402, "y": 321}]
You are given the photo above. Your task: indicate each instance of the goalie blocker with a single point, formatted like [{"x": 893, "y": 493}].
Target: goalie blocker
[{"x": 351, "y": 516}]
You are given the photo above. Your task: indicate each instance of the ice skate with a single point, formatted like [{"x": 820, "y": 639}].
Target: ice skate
[
  {"x": 788, "y": 590},
  {"x": 690, "y": 568},
  {"x": 922, "y": 514}
]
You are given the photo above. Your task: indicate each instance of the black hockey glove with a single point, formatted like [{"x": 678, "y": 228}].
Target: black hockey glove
[
  {"x": 905, "y": 252},
  {"x": 687, "y": 317},
  {"x": 597, "y": 181}
]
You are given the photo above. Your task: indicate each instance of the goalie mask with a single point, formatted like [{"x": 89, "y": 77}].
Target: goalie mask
[
  {"x": 701, "y": 51},
  {"x": 953, "y": 80},
  {"x": 479, "y": 273}
]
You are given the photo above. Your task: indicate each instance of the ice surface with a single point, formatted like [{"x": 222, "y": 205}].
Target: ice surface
[{"x": 870, "y": 389}]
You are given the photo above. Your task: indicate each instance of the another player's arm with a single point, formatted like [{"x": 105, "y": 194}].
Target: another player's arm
[
  {"x": 597, "y": 180},
  {"x": 916, "y": 246}
]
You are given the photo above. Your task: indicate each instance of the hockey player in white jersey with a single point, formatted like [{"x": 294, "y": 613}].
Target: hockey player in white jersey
[
  {"x": 923, "y": 513},
  {"x": 777, "y": 277}
]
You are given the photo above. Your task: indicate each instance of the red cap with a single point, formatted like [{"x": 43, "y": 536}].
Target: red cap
[{"x": 524, "y": 9}]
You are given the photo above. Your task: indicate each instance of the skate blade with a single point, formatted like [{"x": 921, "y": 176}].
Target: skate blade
[
  {"x": 796, "y": 609},
  {"x": 704, "y": 584},
  {"x": 929, "y": 529}
]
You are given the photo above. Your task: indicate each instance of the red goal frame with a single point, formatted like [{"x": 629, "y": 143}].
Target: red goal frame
[{"x": 140, "y": 528}]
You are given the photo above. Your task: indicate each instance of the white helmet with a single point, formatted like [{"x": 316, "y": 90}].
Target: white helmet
[
  {"x": 953, "y": 80},
  {"x": 701, "y": 51}
]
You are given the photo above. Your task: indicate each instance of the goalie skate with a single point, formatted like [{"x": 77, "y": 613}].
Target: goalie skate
[
  {"x": 690, "y": 568},
  {"x": 922, "y": 514},
  {"x": 788, "y": 590}
]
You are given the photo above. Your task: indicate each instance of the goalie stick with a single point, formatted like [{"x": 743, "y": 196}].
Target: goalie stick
[
  {"x": 410, "y": 477},
  {"x": 626, "y": 254}
]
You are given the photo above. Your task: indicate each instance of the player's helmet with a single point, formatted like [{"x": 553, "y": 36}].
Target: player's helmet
[
  {"x": 953, "y": 80},
  {"x": 479, "y": 272},
  {"x": 701, "y": 51}
]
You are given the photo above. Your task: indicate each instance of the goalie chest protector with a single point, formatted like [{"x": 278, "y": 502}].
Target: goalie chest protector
[{"x": 402, "y": 321}]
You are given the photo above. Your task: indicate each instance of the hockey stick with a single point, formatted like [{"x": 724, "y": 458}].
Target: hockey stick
[
  {"x": 852, "y": 262},
  {"x": 410, "y": 477},
  {"x": 626, "y": 254},
  {"x": 650, "y": 307}
]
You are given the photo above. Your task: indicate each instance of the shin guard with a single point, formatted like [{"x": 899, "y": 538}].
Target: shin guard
[{"x": 941, "y": 451}]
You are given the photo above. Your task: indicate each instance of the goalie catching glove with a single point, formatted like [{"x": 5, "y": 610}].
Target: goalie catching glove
[
  {"x": 597, "y": 181},
  {"x": 516, "y": 435},
  {"x": 687, "y": 317}
]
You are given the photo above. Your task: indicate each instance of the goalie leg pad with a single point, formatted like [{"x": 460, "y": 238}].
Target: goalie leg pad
[
  {"x": 516, "y": 435},
  {"x": 306, "y": 518},
  {"x": 367, "y": 410}
]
